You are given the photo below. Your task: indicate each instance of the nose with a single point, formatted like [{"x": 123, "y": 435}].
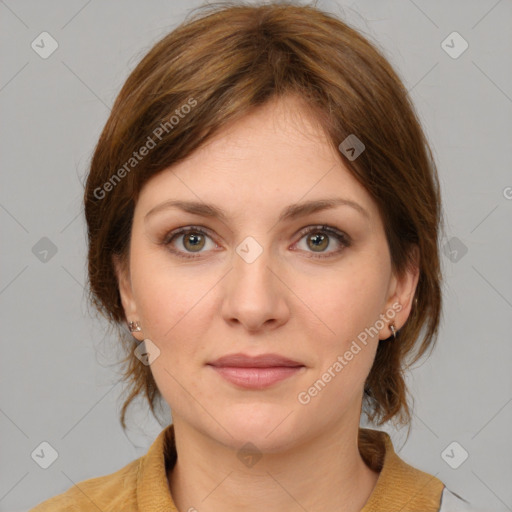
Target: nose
[{"x": 255, "y": 294}]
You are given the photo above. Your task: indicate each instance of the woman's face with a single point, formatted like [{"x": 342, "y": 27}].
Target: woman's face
[{"x": 262, "y": 280}]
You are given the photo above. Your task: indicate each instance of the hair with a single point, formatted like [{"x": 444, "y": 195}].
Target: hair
[{"x": 217, "y": 67}]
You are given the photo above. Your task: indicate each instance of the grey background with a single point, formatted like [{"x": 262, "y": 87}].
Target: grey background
[{"x": 58, "y": 375}]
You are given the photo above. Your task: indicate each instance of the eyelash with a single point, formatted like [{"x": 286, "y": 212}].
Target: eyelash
[{"x": 341, "y": 237}]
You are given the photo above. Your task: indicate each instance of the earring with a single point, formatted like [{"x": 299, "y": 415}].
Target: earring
[
  {"x": 134, "y": 326},
  {"x": 393, "y": 330}
]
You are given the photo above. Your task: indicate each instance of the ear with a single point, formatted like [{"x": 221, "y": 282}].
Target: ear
[
  {"x": 401, "y": 291},
  {"x": 121, "y": 268}
]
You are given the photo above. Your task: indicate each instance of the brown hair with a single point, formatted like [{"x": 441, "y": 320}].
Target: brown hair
[{"x": 217, "y": 67}]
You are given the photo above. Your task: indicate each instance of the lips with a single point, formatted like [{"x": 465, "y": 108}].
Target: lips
[
  {"x": 261, "y": 361},
  {"x": 255, "y": 372}
]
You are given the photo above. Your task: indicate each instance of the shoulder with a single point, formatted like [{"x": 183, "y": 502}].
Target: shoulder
[
  {"x": 140, "y": 485},
  {"x": 112, "y": 492},
  {"x": 401, "y": 486}
]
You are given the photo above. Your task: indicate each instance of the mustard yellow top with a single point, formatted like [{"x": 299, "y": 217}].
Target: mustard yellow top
[{"x": 142, "y": 486}]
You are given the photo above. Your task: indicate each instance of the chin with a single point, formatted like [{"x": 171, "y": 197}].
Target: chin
[{"x": 270, "y": 427}]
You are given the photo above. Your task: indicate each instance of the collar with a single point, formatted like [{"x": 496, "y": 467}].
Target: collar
[
  {"x": 153, "y": 493},
  {"x": 399, "y": 486}
]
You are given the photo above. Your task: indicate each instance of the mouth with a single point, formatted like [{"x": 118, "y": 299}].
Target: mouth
[{"x": 256, "y": 372}]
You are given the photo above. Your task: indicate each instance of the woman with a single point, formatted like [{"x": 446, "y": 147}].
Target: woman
[{"x": 263, "y": 212}]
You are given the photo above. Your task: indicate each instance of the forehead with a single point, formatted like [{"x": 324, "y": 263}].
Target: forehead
[{"x": 275, "y": 156}]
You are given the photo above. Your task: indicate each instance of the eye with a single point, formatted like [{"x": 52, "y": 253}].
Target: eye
[
  {"x": 317, "y": 239},
  {"x": 193, "y": 240}
]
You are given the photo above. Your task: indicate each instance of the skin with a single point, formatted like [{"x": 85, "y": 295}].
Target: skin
[{"x": 288, "y": 301}]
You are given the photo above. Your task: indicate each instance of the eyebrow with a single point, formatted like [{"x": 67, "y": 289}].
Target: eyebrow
[{"x": 291, "y": 212}]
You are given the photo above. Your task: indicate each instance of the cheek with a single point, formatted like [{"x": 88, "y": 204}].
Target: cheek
[
  {"x": 178, "y": 316},
  {"x": 343, "y": 303},
  {"x": 173, "y": 311},
  {"x": 342, "y": 323},
  {"x": 345, "y": 340},
  {"x": 160, "y": 295}
]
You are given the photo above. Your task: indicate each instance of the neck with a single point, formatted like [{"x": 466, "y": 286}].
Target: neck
[{"x": 323, "y": 473}]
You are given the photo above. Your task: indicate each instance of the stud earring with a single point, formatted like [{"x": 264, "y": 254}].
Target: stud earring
[{"x": 134, "y": 326}]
